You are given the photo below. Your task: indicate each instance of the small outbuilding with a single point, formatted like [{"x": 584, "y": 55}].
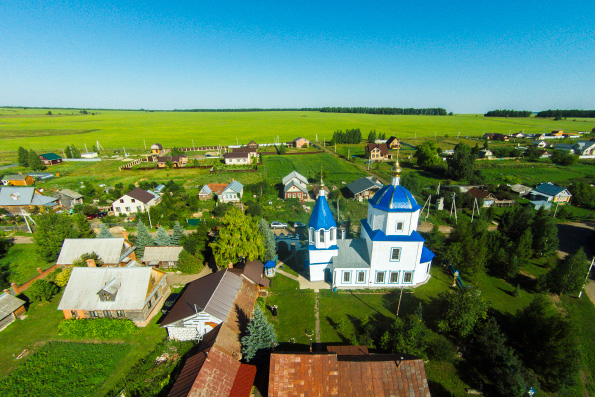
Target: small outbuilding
[
  {"x": 17, "y": 180},
  {"x": 68, "y": 198},
  {"x": 156, "y": 148},
  {"x": 11, "y": 308},
  {"x": 162, "y": 257},
  {"x": 50, "y": 158}
]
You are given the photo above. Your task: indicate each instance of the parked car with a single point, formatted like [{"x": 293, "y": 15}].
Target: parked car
[
  {"x": 299, "y": 224},
  {"x": 168, "y": 304},
  {"x": 91, "y": 216},
  {"x": 102, "y": 214},
  {"x": 278, "y": 225}
]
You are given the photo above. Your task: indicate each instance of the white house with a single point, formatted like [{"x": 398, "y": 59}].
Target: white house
[
  {"x": 236, "y": 158},
  {"x": 584, "y": 148},
  {"x": 137, "y": 200},
  {"x": 390, "y": 252},
  {"x": 232, "y": 192}
]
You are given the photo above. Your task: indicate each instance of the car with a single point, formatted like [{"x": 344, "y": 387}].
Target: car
[
  {"x": 168, "y": 304},
  {"x": 299, "y": 224},
  {"x": 91, "y": 216},
  {"x": 102, "y": 214},
  {"x": 278, "y": 225}
]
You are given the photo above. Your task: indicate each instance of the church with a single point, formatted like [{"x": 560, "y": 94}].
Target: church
[{"x": 390, "y": 252}]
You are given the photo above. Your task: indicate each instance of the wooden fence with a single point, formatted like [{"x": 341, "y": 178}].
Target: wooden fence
[{"x": 42, "y": 274}]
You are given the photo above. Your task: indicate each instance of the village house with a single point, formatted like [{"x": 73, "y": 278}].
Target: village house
[
  {"x": 550, "y": 193},
  {"x": 539, "y": 144},
  {"x": 485, "y": 154},
  {"x": 364, "y": 188},
  {"x": 521, "y": 190},
  {"x": 50, "y": 158},
  {"x": 135, "y": 293},
  {"x": 543, "y": 153},
  {"x": 17, "y": 180},
  {"x": 163, "y": 257},
  {"x": 111, "y": 251},
  {"x": 584, "y": 148},
  {"x": 176, "y": 161},
  {"x": 207, "y": 302},
  {"x": 517, "y": 135},
  {"x": 390, "y": 252},
  {"x": 393, "y": 143},
  {"x": 556, "y": 133},
  {"x": 68, "y": 198},
  {"x": 295, "y": 186},
  {"x": 136, "y": 200},
  {"x": 346, "y": 371},
  {"x": 496, "y": 137},
  {"x": 252, "y": 145},
  {"x": 378, "y": 152},
  {"x": 89, "y": 155},
  {"x": 299, "y": 143},
  {"x": 11, "y": 308},
  {"x": 232, "y": 192},
  {"x": 487, "y": 198},
  {"x": 156, "y": 148},
  {"x": 208, "y": 192},
  {"x": 236, "y": 158},
  {"x": 18, "y": 199}
]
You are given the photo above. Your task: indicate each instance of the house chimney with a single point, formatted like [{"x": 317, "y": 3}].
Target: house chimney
[
  {"x": 91, "y": 263},
  {"x": 232, "y": 179},
  {"x": 343, "y": 233},
  {"x": 15, "y": 288},
  {"x": 399, "y": 362},
  {"x": 125, "y": 234},
  {"x": 310, "y": 345}
]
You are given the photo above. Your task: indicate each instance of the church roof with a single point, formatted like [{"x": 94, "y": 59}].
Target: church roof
[
  {"x": 322, "y": 217},
  {"x": 426, "y": 255},
  {"x": 379, "y": 235},
  {"x": 352, "y": 254},
  {"x": 394, "y": 198}
]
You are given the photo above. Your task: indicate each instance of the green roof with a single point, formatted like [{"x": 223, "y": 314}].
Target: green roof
[{"x": 50, "y": 156}]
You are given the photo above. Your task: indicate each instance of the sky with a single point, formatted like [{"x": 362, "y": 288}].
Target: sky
[{"x": 464, "y": 56}]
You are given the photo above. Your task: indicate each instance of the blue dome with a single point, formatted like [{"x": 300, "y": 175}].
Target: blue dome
[
  {"x": 394, "y": 198},
  {"x": 322, "y": 217}
]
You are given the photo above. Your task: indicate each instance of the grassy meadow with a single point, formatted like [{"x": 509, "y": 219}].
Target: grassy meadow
[{"x": 34, "y": 129}]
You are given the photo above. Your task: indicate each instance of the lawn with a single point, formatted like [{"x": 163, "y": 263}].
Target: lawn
[
  {"x": 22, "y": 261},
  {"x": 65, "y": 369}
]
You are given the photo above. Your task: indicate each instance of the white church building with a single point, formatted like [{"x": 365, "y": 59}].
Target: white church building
[{"x": 390, "y": 252}]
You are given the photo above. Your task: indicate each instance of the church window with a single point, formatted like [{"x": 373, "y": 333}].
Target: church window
[
  {"x": 361, "y": 276},
  {"x": 321, "y": 235},
  {"x": 332, "y": 236},
  {"x": 395, "y": 254},
  {"x": 311, "y": 235},
  {"x": 399, "y": 226},
  {"x": 346, "y": 277},
  {"x": 379, "y": 277},
  {"x": 394, "y": 277},
  {"x": 407, "y": 277}
]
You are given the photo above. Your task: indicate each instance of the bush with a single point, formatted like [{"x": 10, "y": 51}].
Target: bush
[
  {"x": 189, "y": 263},
  {"x": 441, "y": 349},
  {"x": 42, "y": 291},
  {"x": 100, "y": 328},
  {"x": 62, "y": 278}
]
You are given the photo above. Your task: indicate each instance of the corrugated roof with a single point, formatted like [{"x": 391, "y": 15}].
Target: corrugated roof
[
  {"x": 235, "y": 186},
  {"x": 304, "y": 374},
  {"x": 141, "y": 195},
  {"x": 242, "y": 385},
  {"x": 39, "y": 199},
  {"x": 165, "y": 254},
  {"x": 295, "y": 183},
  {"x": 9, "y": 304},
  {"x": 549, "y": 189},
  {"x": 108, "y": 249},
  {"x": 363, "y": 184},
  {"x": 14, "y": 177},
  {"x": 70, "y": 193},
  {"x": 10, "y": 195},
  {"x": 479, "y": 193},
  {"x": 50, "y": 156},
  {"x": 352, "y": 254},
  {"x": 185, "y": 379},
  {"x": 205, "y": 190},
  {"x": 381, "y": 146},
  {"x": 295, "y": 175},
  {"x": 236, "y": 155},
  {"x": 85, "y": 282},
  {"x": 254, "y": 270}
]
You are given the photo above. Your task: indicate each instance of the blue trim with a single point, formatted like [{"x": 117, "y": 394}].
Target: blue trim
[
  {"x": 312, "y": 247},
  {"x": 426, "y": 255},
  {"x": 398, "y": 275},
  {"x": 343, "y": 277},
  {"x": 394, "y": 198},
  {"x": 356, "y": 276},
  {"x": 391, "y": 254},
  {"x": 376, "y": 277},
  {"x": 319, "y": 263},
  {"x": 407, "y": 271},
  {"x": 378, "y": 235}
]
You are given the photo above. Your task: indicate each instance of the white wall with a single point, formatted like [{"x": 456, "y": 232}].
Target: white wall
[{"x": 132, "y": 204}]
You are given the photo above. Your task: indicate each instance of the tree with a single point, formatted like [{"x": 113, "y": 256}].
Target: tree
[
  {"x": 461, "y": 164},
  {"x": 461, "y": 310},
  {"x": 468, "y": 246},
  {"x": 177, "y": 234},
  {"x": 188, "y": 263},
  {"x": 563, "y": 158},
  {"x": 143, "y": 239},
  {"x": 427, "y": 155},
  {"x": 238, "y": 238},
  {"x": 372, "y": 136},
  {"x": 50, "y": 233},
  {"x": 410, "y": 336},
  {"x": 35, "y": 162},
  {"x": 569, "y": 275},
  {"x": 523, "y": 251},
  {"x": 104, "y": 232},
  {"x": 42, "y": 291},
  {"x": 162, "y": 238},
  {"x": 23, "y": 157},
  {"x": 282, "y": 149},
  {"x": 63, "y": 277},
  {"x": 532, "y": 154},
  {"x": 583, "y": 194},
  {"x": 514, "y": 221},
  {"x": 260, "y": 337},
  {"x": 545, "y": 234},
  {"x": 269, "y": 240},
  {"x": 82, "y": 260},
  {"x": 83, "y": 227}
]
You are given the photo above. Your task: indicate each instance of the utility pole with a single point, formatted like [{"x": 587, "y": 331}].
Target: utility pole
[
  {"x": 556, "y": 211},
  {"x": 193, "y": 144},
  {"x": 149, "y": 216},
  {"x": 399, "y": 305},
  {"x": 237, "y": 142},
  {"x": 586, "y": 278},
  {"x": 145, "y": 143},
  {"x": 86, "y": 151}
]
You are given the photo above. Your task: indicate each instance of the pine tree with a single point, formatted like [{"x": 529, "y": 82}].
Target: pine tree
[
  {"x": 35, "y": 162},
  {"x": 545, "y": 234},
  {"x": 260, "y": 337},
  {"x": 83, "y": 227},
  {"x": 143, "y": 239},
  {"x": 162, "y": 238},
  {"x": 23, "y": 156},
  {"x": 104, "y": 232},
  {"x": 177, "y": 234},
  {"x": 270, "y": 244}
]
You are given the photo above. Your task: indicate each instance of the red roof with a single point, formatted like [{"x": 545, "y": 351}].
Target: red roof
[
  {"x": 242, "y": 385},
  {"x": 303, "y": 374}
]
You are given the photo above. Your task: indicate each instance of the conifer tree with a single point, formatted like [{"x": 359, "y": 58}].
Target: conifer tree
[
  {"x": 23, "y": 156},
  {"x": 260, "y": 337},
  {"x": 162, "y": 238},
  {"x": 35, "y": 162},
  {"x": 270, "y": 244},
  {"x": 143, "y": 239},
  {"x": 177, "y": 234},
  {"x": 83, "y": 227},
  {"x": 104, "y": 232}
]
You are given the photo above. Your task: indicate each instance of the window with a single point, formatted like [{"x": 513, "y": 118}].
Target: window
[
  {"x": 294, "y": 195},
  {"x": 332, "y": 237},
  {"x": 399, "y": 226},
  {"x": 74, "y": 314},
  {"x": 311, "y": 235},
  {"x": 133, "y": 200},
  {"x": 395, "y": 254},
  {"x": 139, "y": 208},
  {"x": 121, "y": 200},
  {"x": 127, "y": 209},
  {"x": 407, "y": 277},
  {"x": 149, "y": 304},
  {"x": 107, "y": 313},
  {"x": 93, "y": 313},
  {"x": 394, "y": 277},
  {"x": 321, "y": 236},
  {"x": 118, "y": 209},
  {"x": 346, "y": 277},
  {"x": 120, "y": 313},
  {"x": 379, "y": 277},
  {"x": 361, "y": 276}
]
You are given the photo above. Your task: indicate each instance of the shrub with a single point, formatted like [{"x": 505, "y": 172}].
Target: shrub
[
  {"x": 100, "y": 328},
  {"x": 189, "y": 263},
  {"x": 42, "y": 291},
  {"x": 440, "y": 349},
  {"x": 62, "y": 278}
]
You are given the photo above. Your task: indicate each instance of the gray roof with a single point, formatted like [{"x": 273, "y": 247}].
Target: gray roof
[
  {"x": 205, "y": 190},
  {"x": 520, "y": 189},
  {"x": 363, "y": 184},
  {"x": 165, "y": 254},
  {"x": 295, "y": 174},
  {"x": 70, "y": 193},
  {"x": 352, "y": 254},
  {"x": 295, "y": 183},
  {"x": 235, "y": 186},
  {"x": 9, "y": 304},
  {"x": 10, "y": 195},
  {"x": 85, "y": 282},
  {"x": 14, "y": 177},
  {"x": 110, "y": 250}
]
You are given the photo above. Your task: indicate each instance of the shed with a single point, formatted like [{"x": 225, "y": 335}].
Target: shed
[
  {"x": 11, "y": 308},
  {"x": 162, "y": 257}
]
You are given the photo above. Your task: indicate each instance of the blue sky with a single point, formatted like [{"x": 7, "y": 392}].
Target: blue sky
[{"x": 468, "y": 57}]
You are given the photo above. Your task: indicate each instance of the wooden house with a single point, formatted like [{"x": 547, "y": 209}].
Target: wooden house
[
  {"x": 166, "y": 257},
  {"x": 176, "y": 161},
  {"x": 68, "y": 198},
  {"x": 393, "y": 143},
  {"x": 17, "y": 180},
  {"x": 50, "y": 158},
  {"x": 252, "y": 145},
  {"x": 364, "y": 188},
  {"x": 378, "y": 152}
]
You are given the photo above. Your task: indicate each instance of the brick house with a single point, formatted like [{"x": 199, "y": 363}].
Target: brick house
[
  {"x": 11, "y": 308},
  {"x": 378, "y": 152},
  {"x": 50, "y": 158},
  {"x": 295, "y": 186},
  {"x": 17, "y": 180},
  {"x": 300, "y": 143},
  {"x": 135, "y": 293}
]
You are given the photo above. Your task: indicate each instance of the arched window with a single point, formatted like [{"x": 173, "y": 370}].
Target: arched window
[
  {"x": 332, "y": 235},
  {"x": 321, "y": 235},
  {"x": 311, "y": 235}
]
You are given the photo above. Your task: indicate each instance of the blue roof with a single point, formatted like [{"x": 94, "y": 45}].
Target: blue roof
[
  {"x": 549, "y": 189},
  {"x": 270, "y": 264},
  {"x": 378, "y": 235},
  {"x": 322, "y": 217},
  {"x": 426, "y": 255},
  {"x": 312, "y": 247},
  {"x": 394, "y": 198}
]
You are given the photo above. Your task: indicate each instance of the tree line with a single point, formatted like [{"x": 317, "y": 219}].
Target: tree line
[
  {"x": 508, "y": 113},
  {"x": 566, "y": 113},
  {"x": 392, "y": 111},
  {"x": 353, "y": 135}
]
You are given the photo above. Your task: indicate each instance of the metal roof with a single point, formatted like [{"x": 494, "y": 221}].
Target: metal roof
[
  {"x": 9, "y": 304},
  {"x": 549, "y": 189},
  {"x": 109, "y": 250},
  {"x": 322, "y": 217},
  {"x": 159, "y": 254},
  {"x": 70, "y": 193},
  {"x": 15, "y": 177},
  {"x": 12, "y": 195},
  {"x": 394, "y": 198},
  {"x": 363, "y": 184},
  {"x": 235, "y": 186},
  {"x": 141, "y": 195},
  {"x": 85, "y": 282},
  {"x": 50, "y": 156},
  {"x": 205, "y": 190},
  {"x": 291, "y": 184},
  {"x": 426, "y": 255},
  {"x": 295, "y": 175},
  {"x": 352, "y": 254}
]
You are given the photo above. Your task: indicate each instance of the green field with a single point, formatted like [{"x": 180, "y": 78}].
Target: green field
[
  {"x": 22, "y": 261},
  {"x": 33, "y": 129}
]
